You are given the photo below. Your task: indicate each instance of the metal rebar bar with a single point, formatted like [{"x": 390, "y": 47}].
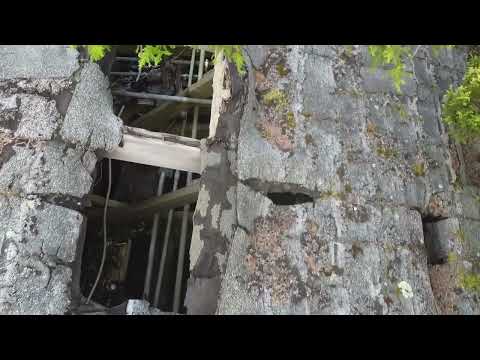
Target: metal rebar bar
[
  {"x": 163, "y": 258},
  {"x": 129, "y": 254},
  {"x": 135, "y": 59},
  {"x": 192, "y": 64},
  {"x": 186, "y": 208},
  {"x": 124, "y": 73},
  {"x": 153, "y": 240},
  {"x": 126, "y": 58},
  {"x": 162, "y": 97},
  {"x": 183, "y": 62},
  {"x": 201, "y": 61}
]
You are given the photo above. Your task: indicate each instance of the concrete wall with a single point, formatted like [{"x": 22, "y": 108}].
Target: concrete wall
[
  {"x": 54, "y": 113},
  {"x": 315, "y": 120}
]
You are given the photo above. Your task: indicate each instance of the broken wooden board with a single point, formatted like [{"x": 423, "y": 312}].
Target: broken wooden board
[
  {"x": 157, "y": 119},
  {"x": 161, "y": 136},
  {"x": 99, "y": 201},
  {"x": 172, "y": 200},
  {"x": 157, "y": 205},
  {"x": 154, "y": 151}
]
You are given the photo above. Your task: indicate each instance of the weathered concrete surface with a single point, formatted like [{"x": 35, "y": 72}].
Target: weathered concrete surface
[
  {"x": 215, "y": 214},
  {"x": 37, "y": 62},
  {"x": 89, "y": 120},
  {"x": 45, "y": 171},
  {"x": 370, "y": 164},
  {"x": 142, "y": 307}
]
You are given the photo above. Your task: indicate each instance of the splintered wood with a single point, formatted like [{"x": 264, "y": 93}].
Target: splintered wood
[{"x": 157, "y": 149}]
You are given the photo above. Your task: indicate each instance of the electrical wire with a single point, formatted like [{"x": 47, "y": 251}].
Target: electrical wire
[
  {"x": 105, "y": 208},
  {"x": 107, "y": 199}
]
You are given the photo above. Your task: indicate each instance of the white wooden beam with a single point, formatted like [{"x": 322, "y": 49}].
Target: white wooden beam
[{"x": 157, "y": 152}]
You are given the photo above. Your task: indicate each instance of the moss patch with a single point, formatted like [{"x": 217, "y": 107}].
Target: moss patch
[
  {"x": 332, "y": 194},
  {"x": 291, "y": 123},
  {"x": 277, "y": 98},
  {"x": 282, "y": 70},
  {"x": 386, "y": 152},
  {"x": 470, "y": 281},
  {"x": 419, "y": 169},
  {"x": 309, "y": 139},
  {"x": 400, "y": 110},
  {"x": 348, "y": 188}
]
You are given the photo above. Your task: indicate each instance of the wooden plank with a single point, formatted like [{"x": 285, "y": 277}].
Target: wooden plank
[
  {"x": 117, "y": 216},
  {"x": 157, "y": 119},
  {"x": 172, "y": 200},
  {"x": 161, "y": 136},
  {"x": 156, "y": 205},
  {"x": 157, "y": 152},
  {"x": 99, "y": 201}
]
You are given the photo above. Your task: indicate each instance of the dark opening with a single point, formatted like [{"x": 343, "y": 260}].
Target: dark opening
[
  {"x": 288, "y": 198},
  {"x": 437, "y": 250},
  {"x": 128, "y": 242}
]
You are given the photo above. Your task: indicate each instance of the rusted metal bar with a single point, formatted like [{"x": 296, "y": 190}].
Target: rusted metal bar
[
  {"x": 126, "y": 58},
  {"x": 124, "y": 73},
  {"x": 181, "y": 99},
  {"x": 153, "y": 240},
  {"x": 186, "y": 208},
  {"x": 192, "y": 63},
  {"x": 135, "y": 59},
  {"x": 132, "y": 73},
  {"x": 163, "y": 258}
]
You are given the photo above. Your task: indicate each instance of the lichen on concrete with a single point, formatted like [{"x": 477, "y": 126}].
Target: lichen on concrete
[
  {"x": 43, "y": 176},
  {"x": 90, "y": 121},
  {"x": 37, "y": 62},
  {"x": 356, "y": 144}
]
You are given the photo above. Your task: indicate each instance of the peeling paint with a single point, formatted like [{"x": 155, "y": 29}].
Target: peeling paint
[
  {"x": 215, "y": 212},
  {"x": 196, "y": 245},
  {"x": 221, "y": 94},
  {"x": 202, "y": 202}
]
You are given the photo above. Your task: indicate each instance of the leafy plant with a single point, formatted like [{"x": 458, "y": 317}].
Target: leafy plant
[
  {"x": 152, "y": 55},
  {"x": 461, "y": 107},
  {"x": 149, "y": 55},
  {"x": 95, "y": 52},
  {"x": 391, "y": 56},
  {"x": 470, "y": 281},
  {"x": 233, "y": 53}
]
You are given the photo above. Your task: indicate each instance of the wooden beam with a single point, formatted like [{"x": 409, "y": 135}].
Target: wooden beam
[
  {"x": 161, "y": 136},
  {"x": 140, "y": 149},
  {"x": 99, "y": 201},
  {"x": 156, "y": 205},
  {"x": 172, "y": 200},
  {"x": 157, "y": 119}
]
